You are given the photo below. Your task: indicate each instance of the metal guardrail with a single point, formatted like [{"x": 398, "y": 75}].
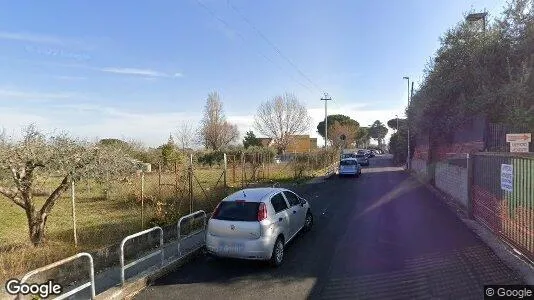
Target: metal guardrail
[
  {"x": 159, "y": 251},
  {"x": 179, "y": 226},
  {"x": 63, "y": 261}
]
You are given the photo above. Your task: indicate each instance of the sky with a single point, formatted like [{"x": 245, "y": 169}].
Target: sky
[{"x": 138, "y": 69}]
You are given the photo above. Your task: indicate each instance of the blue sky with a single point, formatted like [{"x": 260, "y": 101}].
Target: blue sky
[{"x": 136, "y": 69}]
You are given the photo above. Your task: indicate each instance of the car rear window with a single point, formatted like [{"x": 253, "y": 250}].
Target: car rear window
[
  {"x": 347, "y": 162},
  {"x": 238, "y": 211}
]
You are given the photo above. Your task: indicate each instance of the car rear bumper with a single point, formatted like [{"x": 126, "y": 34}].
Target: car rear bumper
[
  {"x": 258, "y": 249},
  {"x": 348, "y": 172}
]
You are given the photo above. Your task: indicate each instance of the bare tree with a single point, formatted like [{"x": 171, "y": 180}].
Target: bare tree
[
  {"x": 281, "y": 118},
  {"x": 185, "y": 134},
  {"x": 215, "y": 131},
  {"x": 37, "y": 157}
]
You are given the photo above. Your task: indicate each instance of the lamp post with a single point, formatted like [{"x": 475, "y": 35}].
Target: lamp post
[{"x": 408, "y": 127}]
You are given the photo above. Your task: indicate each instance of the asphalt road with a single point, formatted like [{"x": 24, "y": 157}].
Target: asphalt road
[{"x": 380, "y": 236}]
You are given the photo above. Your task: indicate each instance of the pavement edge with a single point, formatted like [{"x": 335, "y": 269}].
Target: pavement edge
[{"x": 504, "y": 251}]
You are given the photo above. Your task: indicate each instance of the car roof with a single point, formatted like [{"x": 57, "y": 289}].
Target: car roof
[{"x": 253, "y": 194}]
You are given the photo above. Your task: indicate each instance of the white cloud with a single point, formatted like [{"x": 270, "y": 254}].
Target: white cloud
[
  {"x": 138, "y": 72},
  {"x": 31, "y": 37},
  {"x": 91, "y": 120},
  {"x": 10, "y": 94},
  {"x": 134, "y": 71}
]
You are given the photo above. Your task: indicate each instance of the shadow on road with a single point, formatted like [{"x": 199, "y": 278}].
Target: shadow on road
[{"x": 374, "y": 234}]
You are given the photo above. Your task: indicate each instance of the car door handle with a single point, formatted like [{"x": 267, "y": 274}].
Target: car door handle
[
  {"x": 294, "y": 212},
  {"x": 280, "y": 219}
]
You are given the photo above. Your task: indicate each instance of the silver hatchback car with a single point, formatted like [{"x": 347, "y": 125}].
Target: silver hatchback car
[{"x": 257, "y": 223}]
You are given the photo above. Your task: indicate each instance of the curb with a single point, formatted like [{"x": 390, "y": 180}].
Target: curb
[
  {"x": 507, "y": 254},
  {"x": 139, "y": 282}
]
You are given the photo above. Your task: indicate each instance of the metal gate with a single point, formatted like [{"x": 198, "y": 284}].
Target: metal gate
[{"x": 508, "y": 212}]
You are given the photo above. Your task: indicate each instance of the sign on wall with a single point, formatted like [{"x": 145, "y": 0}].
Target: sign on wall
[
  {"x": 520, "y": 147},
  {"x": 518, "y": 137},
  {"x": 507, "y": 177},
  {"x": 519, "y": 142}
]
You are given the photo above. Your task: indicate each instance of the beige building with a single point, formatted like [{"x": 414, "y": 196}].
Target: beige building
[{"x": 301, "y": 144}]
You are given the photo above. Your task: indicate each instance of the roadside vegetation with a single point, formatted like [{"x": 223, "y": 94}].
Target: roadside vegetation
[{"x": 477, "y": 70}]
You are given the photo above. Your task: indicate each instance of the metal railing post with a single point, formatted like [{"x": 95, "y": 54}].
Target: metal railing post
[
  {"x": 179, "y": 227},
  {"x": 123, "y": 242},
  {"x": 90, "y": 284}
]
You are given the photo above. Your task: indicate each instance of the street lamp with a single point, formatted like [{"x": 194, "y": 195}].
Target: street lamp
[{"x": 408, "y": 127}]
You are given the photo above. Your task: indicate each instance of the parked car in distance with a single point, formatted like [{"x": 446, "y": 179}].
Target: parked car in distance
[
  {"x": 349, "y": 166},
  {"x": 362, "y": 159},
  {"x": 347, "y": 155},
  {"x": 257, "y": 224}
]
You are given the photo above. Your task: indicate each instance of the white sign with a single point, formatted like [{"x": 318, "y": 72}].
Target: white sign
[
  {"x": 518, "y": 137},
  {"x": 519, "y": 147},
  {"x": 507, "y": 177}
]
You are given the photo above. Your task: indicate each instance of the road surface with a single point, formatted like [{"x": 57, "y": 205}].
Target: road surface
[{"x": 380, "y": 236}]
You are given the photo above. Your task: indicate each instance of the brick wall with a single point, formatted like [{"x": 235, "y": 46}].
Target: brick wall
[
  {"x": 445, "y": 151},
  {"x": 452, "y": 180}
]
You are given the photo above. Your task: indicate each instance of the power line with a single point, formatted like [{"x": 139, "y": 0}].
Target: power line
[
  {"x": 214, "y": 15},
  {"x": 274, "y": 46}
]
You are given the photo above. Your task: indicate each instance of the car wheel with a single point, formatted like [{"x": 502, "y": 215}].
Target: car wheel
[
  {"x": 308, "y": 222},
  {"x": 277, "y": 258}
]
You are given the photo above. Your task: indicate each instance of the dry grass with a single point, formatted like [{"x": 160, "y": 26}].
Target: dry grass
[{"x": 102, "y": 221}]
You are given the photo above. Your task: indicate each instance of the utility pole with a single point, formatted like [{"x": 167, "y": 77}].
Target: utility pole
[
  {"x": 326, "y": 98},
  {"x": 408, "y": 127}
]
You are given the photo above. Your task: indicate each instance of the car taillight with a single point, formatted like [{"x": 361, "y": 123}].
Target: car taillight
[
  {"x": 216, "y": 211},
  {"x": 262, "y": 212}
]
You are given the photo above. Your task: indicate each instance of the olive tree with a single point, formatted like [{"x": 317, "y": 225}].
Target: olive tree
[{"x": 36, "y": 158}]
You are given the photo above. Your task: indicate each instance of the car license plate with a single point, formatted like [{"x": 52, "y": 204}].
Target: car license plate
[{"x": 230, "y": 248}]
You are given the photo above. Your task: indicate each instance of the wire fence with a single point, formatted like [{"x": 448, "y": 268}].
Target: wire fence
[
  {"x": 94, "y": 214},
  {"x": 503, "y": 197},
  {"x": 160, "y": 197}
]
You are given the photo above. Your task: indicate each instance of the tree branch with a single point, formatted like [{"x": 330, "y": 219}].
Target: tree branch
[
  {"x": 63, "y": 186},
  {"x": 12, "y": 195}
]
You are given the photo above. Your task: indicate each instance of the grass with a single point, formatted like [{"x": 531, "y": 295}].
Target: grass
[{"x": 102, "y": 221}]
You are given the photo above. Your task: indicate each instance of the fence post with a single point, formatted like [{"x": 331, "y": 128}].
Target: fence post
[
  {"x": 72, "y": 197},
  {"x": 142, "y": 200},
  {"x": 190, "y": 177},
  {"x": 233, "y": 169},
  {"x": 262, "y": 166},
  {"x": 242, "y": 170},
  {"x": 470, "y": 177},
  {"x": 225, "y": 165}
]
